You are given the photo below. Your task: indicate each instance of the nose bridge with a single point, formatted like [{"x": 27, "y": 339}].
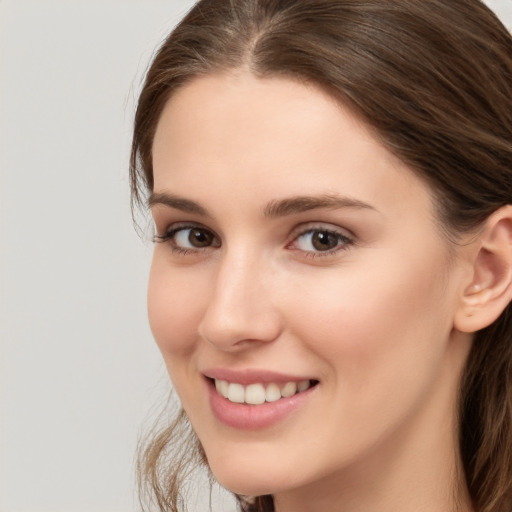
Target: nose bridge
[{"x": 240, "y": 307}]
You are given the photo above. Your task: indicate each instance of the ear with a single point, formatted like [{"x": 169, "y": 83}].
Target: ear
[{"x": 490, "y": 290}]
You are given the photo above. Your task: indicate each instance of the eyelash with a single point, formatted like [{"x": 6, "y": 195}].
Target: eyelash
[
  {"x": 168, "y": 237},
  {"x": 344, "y": 240}
]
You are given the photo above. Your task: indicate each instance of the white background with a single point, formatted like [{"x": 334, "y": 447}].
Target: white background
[{"x": 79, "y": 372}]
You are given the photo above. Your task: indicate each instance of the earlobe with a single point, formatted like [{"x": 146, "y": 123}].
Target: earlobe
[{"x": 490, "y": 290}]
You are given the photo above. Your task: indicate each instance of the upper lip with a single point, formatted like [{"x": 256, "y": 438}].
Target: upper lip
[{"x": 252, "y": 376}]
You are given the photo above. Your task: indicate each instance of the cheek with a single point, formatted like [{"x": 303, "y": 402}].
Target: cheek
[
  {"x": 174, "y": 307},
  {"x": 381, "y": 337},
  {"x": 388, "y": 319}
]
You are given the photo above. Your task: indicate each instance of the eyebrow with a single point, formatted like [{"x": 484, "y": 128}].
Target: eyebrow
[
  {"x": 299, "y": 204},
  {"x": 275, "y": 208},
  {"x": 177, "y": 202}
]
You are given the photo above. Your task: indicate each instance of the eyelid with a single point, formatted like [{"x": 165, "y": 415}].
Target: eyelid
[
  {"x": 173, "y": 229},
  {"x": 344, "y": 234},
  {"x": 307, "y": 227}
]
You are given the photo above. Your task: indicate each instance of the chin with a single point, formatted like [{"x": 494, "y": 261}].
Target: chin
[
  {"x": 244, "y": 482},
  {"x": 247, "y": 481}
]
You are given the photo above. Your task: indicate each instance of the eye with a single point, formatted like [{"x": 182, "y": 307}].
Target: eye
[
  {"x": 321, "y": 240},
  {"x": 189, "y": 238},
  {"x": 193, "y": 238}
]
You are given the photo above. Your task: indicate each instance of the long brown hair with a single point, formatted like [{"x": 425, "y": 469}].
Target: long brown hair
[{"x": 433, "y": 79}]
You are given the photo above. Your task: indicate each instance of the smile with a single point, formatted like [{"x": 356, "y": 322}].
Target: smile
[
  {"x": 256, "y": 398},
  {"x": 258, "y": 393}
]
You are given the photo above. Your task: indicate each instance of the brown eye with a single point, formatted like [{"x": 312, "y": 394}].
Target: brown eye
[
  {"x": 199, "y": 238},
  {"x": 189, "y": 238},
  {"x": 324, "y": 240}
]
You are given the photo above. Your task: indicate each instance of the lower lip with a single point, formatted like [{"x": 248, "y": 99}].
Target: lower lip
[{"x": 252, "y": 417}]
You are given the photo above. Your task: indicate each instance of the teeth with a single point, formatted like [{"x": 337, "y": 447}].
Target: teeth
[
  {"x": 273, "y": 393},
  {"x": 303, "y": 385},
  {"x": 222, "y": 387},
  {"x": 236, "y": 393},
  {"x": 289, "y": 389},
  {"x": 256, "y": 394}
]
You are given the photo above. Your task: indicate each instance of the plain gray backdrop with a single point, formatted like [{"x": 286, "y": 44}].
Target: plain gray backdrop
[{"x": 79, "y": 372}]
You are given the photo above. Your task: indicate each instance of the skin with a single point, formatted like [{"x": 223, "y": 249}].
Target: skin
[{"x": 371, "y": 319}]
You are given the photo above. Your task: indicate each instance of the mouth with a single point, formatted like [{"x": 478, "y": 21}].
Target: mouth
[
  {"x": 256, "y": 399},
  {"x": 260, "y": 393}
]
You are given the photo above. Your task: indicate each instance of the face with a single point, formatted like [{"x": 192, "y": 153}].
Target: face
[{"x": 300, "y": 270}]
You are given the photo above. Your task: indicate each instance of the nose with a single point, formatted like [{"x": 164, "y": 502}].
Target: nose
[{"x": 241, "y": 312}]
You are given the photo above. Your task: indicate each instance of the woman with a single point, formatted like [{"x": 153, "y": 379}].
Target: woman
[{"x": 331, "y": 185}]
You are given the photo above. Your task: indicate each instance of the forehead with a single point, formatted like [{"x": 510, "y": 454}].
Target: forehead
[
  {"x": 277, "y": 136},
  {"x": 239, "y": 99}
]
